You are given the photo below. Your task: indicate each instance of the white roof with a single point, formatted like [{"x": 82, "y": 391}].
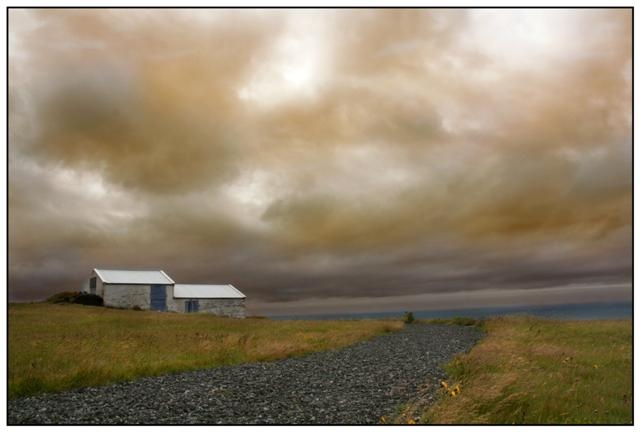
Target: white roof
[
  {"x": 146, "y": 277},
  {"x": 206, "y": 291}
]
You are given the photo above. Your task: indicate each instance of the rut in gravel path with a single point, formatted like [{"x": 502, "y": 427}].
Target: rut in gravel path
[{"x": 353, "y": 385}]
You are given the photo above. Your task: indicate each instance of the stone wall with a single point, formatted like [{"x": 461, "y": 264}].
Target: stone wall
[
  {"x": 223, "y": 307},
  {"x": 127, "y": 296},
  {"x": 174, "y": 304}
]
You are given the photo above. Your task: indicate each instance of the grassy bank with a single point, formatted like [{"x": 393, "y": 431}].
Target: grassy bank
[
  {"x": 536, "y": 371},
  {"x": 59, "y": 347}
]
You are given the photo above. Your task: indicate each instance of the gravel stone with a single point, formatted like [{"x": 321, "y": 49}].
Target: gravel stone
[{"x": 354, "y": 385}]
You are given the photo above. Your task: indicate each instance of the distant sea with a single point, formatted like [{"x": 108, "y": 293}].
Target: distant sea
[{"x": 581, "y": 311}]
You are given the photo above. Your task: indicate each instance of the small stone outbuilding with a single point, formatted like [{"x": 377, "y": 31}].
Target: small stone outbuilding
[{"x": 155, "y": 290}]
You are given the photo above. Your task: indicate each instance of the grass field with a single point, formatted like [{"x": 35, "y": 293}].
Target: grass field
[
  {"x": 525, "y": 371},
  {"x": 59, "y": 347},
  {"x": 536, "y": 371}
]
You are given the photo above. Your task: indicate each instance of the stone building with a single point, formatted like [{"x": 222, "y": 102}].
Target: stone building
[{"x": 155, "y": 290}]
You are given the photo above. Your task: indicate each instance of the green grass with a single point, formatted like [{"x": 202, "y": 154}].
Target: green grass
[
  {"x": 59, "y": 347},
  {"x": 537, "y": 371}
]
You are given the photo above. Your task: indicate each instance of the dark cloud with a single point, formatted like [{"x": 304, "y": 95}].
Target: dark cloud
[
  {"x": 321, "y": 154},
  {"x": 151, "y": 107}
]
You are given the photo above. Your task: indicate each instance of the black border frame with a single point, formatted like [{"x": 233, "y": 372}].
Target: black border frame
[{"x": 631, "y": 8}]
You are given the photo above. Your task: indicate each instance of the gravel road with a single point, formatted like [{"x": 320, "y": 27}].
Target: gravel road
[{"x": 353, "y": 385}]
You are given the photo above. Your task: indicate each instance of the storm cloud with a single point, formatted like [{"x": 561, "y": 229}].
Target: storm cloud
[{"x": 306, "y": 155}]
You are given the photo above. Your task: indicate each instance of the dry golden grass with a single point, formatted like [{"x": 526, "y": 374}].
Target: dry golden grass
[
  {"x": 58, "y": 347},
  {"x": 537, "y": 371}
]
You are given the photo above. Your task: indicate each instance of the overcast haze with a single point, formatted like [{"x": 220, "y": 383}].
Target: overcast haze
[{"x": 325, "y": 160}]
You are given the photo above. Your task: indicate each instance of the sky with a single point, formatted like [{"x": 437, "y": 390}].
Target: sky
[{"x": 325, "y": 160}]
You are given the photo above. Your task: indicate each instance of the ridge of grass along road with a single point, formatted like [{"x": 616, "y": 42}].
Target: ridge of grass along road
[
  {"x": 61, "y": 347},
  {"x": 538, "y": 371}
]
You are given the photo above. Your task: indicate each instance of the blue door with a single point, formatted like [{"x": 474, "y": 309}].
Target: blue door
[
  {"x": 191, "y": 306},
  {"x": 159, "y": 297}
]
